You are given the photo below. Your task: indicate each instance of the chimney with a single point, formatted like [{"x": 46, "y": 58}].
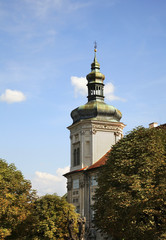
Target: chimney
[{"x": 153, "y": 125}]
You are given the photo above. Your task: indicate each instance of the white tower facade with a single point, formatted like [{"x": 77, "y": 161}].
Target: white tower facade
[{"x": 90, "y": 140}]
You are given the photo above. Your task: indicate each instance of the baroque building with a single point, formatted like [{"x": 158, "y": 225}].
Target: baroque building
[{"x": 96, "y": 127}]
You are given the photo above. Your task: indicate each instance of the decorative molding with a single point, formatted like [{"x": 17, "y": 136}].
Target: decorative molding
[
  {"x": 96, "y": 127},
  {"x": 69, "y": 186},
  {"x": 117, "y": 134},
  {"x": 94, "y": 130},
  {"x": 82, "y": 184},
  {"x": 71, "y": 136},
  {"x": 82, "y": 132},
  {"x": 76, "y": 137}
]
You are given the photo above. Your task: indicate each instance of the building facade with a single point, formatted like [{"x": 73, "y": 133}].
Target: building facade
[{"x": 95, "y": 129}]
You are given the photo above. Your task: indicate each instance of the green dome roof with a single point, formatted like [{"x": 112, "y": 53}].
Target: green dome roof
[{"x": 97, "y": 110}]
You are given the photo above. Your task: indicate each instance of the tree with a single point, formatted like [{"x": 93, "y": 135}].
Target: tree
[
  {"x": 53, "y": 218},
  {"x": 16, "y": 198},
  {"x": 130, "y": 202}
]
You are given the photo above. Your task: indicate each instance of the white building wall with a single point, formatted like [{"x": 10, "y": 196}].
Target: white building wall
[
  {"x": 102, "y": 143},
  {"x": 95, "y": 138},
  {"x": 87, "y": 148}
]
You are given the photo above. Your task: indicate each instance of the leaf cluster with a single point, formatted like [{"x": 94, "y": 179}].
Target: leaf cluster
[
  {"x": 24, "y": 216},
  {"x": 53, "y": 218},
  {"x": 16, "y": 199},
  {"x": 130, "y": 202}
]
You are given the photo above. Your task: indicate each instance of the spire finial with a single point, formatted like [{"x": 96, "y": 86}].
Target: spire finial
[{"x": 95, "y": 46}]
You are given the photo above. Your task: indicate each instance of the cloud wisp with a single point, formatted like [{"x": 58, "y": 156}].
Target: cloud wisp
[
  {"x": 109, "y": 93},
  {"x": 46, "y": 183},
  {"x": 79, "y": 84},
  {"x": 12, "y": 96},
  {"x": 42, "y": 8},
  {"x": 80, "y": 88}
]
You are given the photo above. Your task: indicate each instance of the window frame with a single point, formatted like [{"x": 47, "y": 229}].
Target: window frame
[{"x": 76, "y": 183}]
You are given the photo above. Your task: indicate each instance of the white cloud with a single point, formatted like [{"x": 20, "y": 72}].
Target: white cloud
[
  {"x": 46, "y": 183},
  {"x": 109, "y": 93},
  {"x": 79, "y": 84},
  {"x": 80, "y": 88},
  {"x": 12, "y": 96}
]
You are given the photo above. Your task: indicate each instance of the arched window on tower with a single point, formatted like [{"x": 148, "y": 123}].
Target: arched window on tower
[
  {"x": 75, "y": 157},
  {"x": 78, "y": 156}
]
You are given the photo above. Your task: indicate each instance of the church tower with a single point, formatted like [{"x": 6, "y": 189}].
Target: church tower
[{"x": 95, "y": 129}]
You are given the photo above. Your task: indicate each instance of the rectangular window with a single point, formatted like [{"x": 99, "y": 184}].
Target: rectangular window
[
  {"x": 93, "y": 181},
  {"x": 78, "y": 209},
  {"x": 75, "y": 183},
  {"x": 75, "y": 200},
  {"x": 75, "y": 192}
]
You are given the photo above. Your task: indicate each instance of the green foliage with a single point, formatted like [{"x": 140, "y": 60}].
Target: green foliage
[
  {"x": 53, "y": 218},
  {"x": 23, "y": 216},
  {"x": 16, "y": 198},
  {"x": 130, "y": 202}
]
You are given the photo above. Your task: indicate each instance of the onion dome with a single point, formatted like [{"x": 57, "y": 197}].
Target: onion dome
[{"x": 96, "y": 108}]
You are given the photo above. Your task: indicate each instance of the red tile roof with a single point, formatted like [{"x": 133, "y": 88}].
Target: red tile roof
[
  {"x": 97, "y": 164},
  {"x": 76, "y": 171},
  {"x": 100, "y": 162}
]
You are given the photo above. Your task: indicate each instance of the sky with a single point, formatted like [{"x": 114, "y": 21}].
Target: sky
[{"x": 46, "y": 51}]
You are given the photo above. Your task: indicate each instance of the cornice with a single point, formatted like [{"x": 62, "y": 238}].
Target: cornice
[{"x": 98, "y": 122}]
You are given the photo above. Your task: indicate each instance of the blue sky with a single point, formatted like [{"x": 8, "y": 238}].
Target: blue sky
[{"x": 46, "y": 48}]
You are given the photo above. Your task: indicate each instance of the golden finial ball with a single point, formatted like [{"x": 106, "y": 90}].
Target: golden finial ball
[{"x": 95, "y": 50}]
